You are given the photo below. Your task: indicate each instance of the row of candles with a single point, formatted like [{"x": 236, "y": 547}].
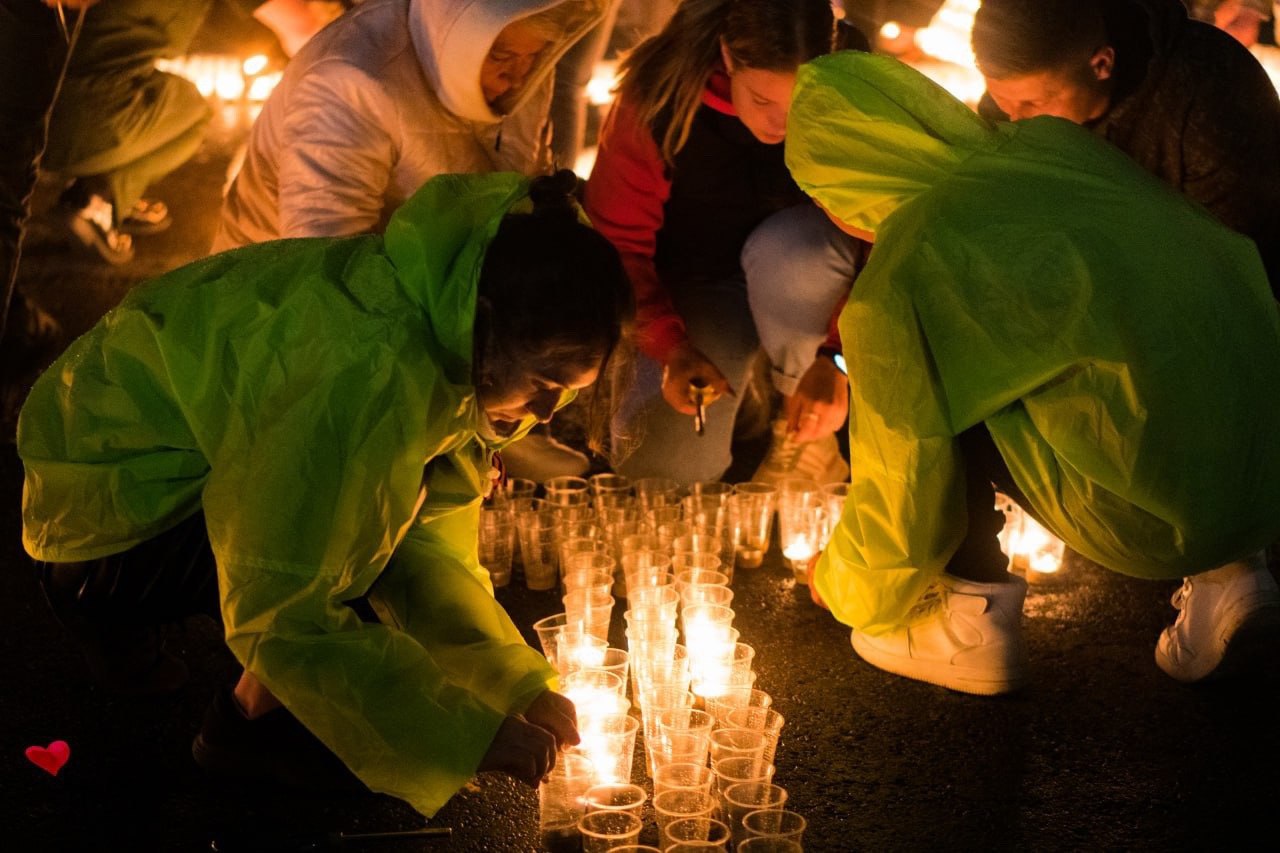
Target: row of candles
[
  {"x": 670, "y": 552},
  {"x": 710, "y": 735}
]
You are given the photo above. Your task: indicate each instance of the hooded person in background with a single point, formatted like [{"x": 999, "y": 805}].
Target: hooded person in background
[
  {"x": 298, "y": 435},
  {"x": 1040, "y": 314},
  {"x": 1185, "y": 100},
  {"x": 391, "y": 94}
]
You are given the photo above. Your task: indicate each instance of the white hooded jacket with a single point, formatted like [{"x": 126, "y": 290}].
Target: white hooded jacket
[{"x": 379, "y": 102}]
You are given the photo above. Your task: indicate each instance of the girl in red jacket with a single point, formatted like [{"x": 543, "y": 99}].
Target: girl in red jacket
[{"x": 723, "y": 250}]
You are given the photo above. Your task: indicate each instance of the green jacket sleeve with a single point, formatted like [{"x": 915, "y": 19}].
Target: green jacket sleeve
[
  {"x": 435, "y": 591},
  {"x": 905, "y": 516}
]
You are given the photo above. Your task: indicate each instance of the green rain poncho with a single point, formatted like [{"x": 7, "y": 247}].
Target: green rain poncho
[
  {"x": 1122, "y": 347},
  {"x": 314, "y": 397}
]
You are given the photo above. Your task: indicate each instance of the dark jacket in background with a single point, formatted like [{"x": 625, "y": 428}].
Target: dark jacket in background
[{"x": 1193, "y": 107}]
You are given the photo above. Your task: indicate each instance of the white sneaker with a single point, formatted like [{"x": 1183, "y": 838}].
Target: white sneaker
[
  {"x": 1221, "y": 613},
  {"x": 961, "y": 635},
  {"x": 818, "y": 460},
  {"x": 540, "y": 457}
]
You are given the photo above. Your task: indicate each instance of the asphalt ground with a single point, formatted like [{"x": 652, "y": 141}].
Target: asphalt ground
[{"x": 1102, "y": 751}]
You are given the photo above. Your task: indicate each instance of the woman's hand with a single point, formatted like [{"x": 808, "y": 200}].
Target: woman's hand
[
  {"x": 686, "y": 364},
  {"x": 820, "y": 403},
  {"x": 522, "y": 750},
  {"x": 556, "y": 714}
]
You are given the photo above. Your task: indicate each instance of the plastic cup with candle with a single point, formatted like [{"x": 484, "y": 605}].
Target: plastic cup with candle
[
  {"x": 682, "y": 803},
  {"x": 576, "y": 649},
  {"x": 706, "y": 594},
  {"x": 593, "y": 608},
  {"x": 774, "y": 823},
  {"x": 711, "y": 488},
  {"x": 672, "y": 668},
  {"x": 701, "y": 569},
  {"x": 743, "y": 797},
  {"x": 603, "y": 830},
  {"x": 720, "y": 668},
  {"x": 670, "y": 531},
  {"x": 609, "y": 741},
  {"x": 664, "y": 514},
  {"x": 653, "y": 492},
  {"x": 705, "y": 625},
  {"x": 595, "y": 561},
  {"x": 802, "y": 526},
  {"x": 704, "y": 832}
]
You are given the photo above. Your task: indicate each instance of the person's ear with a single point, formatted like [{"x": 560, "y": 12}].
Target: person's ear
[
  {"x": 725, "y": 56},
  {"x": 1103, "y": 63}
]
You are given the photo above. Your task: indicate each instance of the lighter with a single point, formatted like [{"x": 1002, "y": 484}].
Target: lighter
[{"x": 699, "y": 395}]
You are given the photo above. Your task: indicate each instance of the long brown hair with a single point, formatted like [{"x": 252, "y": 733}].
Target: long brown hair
[{"x": 667, "y": 73}]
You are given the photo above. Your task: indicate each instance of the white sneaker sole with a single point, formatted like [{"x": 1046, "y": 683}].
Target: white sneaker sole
[
  {"x": 962, "y": 679},
  {"x": 1242, "y": 645}
]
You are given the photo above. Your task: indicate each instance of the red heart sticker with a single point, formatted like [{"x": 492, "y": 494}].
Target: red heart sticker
[{"x": 49, "y": 758}]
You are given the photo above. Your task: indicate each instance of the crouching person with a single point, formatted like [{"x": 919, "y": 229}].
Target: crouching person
[
  {"x": 298, "y": 434},
  {"x": 1040, "y": 313}
]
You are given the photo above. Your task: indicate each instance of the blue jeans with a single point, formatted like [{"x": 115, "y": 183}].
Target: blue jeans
[{"x": 796, "y": 266}]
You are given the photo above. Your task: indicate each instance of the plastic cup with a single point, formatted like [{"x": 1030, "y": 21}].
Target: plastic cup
[
  {"x": 774, "y": 823},
  {"x": 591, "y": 607},
  {"x": 560, "y": 802},
  {"x": 654, "y": 492},
  {"x": 682, "y": 776},
  {"x": 730, "y": 771},
  {"x": 675, "y": 804},
  {"x": 539, "y": 548},
  {"x": 764, "y": 720},
  {"x": 616, "y": 797},
  {"x": 802, "y": 527},
  {"x": 743, "y": 797},
  {"x": 764, "y": 844},
  {"x": 721, "y": 706},
  {"x": 609, "y": 741},
  {"x": 603, "y": 830},
  {"x": 497, "y": 543},
  {"x": 566, "y": 491},
  {"x": 737, "y": 743},
  {"x": 751, "y": 509},
  {"x": 700, "y": 830}
]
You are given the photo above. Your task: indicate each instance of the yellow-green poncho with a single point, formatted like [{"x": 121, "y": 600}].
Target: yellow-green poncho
[
  {"x": 1121, "y": 346},
  {"x": 314, "y": 398}
]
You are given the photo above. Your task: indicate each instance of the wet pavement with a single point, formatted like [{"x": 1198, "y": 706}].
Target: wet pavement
[{"x": 1102, "y": 751}]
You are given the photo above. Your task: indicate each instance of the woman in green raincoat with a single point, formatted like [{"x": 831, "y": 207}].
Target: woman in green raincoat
[
  {"x": 318, "y": 420},
  {"x": 1040, "y": 313}
]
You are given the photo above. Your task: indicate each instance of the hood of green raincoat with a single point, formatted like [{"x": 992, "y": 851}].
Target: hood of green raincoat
[
  {"x": 437, "y": 241},
  {"x": 895, "y": 139}
]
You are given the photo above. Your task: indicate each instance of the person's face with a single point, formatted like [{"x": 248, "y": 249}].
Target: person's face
[
  {"x": 514, "y": 54},
  {"x": 761, "y": 99},
  {"x": 520, "y": 388},
  {"x": 1078, "y": 94}
]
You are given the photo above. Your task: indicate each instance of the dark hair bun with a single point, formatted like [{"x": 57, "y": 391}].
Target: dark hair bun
[{"x": 553, "y": 194}]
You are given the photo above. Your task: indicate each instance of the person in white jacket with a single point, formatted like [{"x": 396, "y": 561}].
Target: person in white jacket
[{"x": 391, "y": 94}]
